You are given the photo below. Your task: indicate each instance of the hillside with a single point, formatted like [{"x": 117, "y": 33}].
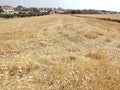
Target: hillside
[{"x": 59, "y": 52}]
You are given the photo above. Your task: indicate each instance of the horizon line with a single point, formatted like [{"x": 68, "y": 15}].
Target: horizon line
[{"x": 60, "y": 7}]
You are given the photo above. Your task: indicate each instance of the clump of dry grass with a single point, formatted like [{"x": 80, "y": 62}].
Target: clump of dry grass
[
  {"x": 36, "y": 76},
  {"x": 91, "y": 35},
  {"x": 97, "y": 55},
  {"x": 70, "y": 35},
  {"x": 108, "y": 39},
  {"x": 100, "y": 33},
  {"x": 19, "y": 67},
  {"x": 113, "y": 35},
  {"x": 118, "y": 46},
  {"x": 11, "y": 47}
]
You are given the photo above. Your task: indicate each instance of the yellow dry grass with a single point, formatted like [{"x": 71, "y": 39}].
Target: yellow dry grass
[
  {"x": 59, "y": 52},
  {"x": 102, "y": 16}
]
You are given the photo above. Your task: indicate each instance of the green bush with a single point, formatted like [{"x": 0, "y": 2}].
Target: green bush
[
  {"x": 19, "y": 15},
  {"x": 1, "y": 10}
]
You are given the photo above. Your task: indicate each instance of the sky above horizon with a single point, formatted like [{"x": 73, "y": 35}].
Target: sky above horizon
[{"x": 113, "y": 5}]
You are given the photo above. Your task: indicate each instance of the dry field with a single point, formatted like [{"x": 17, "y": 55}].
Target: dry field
[
  {"x": 109, "y": 17},
  {"x": 59, "y": 52}
]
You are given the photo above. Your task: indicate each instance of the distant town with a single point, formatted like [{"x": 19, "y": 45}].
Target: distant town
[{"x": 33, "y": 11}]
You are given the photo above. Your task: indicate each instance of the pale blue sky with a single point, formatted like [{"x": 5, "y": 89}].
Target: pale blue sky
[{"x": 71, "y": 4}]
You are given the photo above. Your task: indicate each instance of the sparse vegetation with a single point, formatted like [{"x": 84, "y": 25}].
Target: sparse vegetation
[{"x": 59, "y": 52}]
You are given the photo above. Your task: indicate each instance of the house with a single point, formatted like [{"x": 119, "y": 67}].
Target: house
[
  {"x": 44, "y": 10},
  {"x": 7, "y": 9},
  {"x": 57, "y": 11},
  {"x": 21, "y": 8}
]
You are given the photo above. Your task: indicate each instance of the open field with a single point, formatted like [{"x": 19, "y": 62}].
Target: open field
[
  {"x": 59, "y": 52},
  {"x": 109, "y": 17}
]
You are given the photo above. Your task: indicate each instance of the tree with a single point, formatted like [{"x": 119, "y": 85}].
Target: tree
[
  {"x": 34, "y": 11},
  {"x": 19, "y": 8},
  {"x": 78, "y": 12},
  {"x": 1, "y": 9},
  {"x": 73, "y": 12}
]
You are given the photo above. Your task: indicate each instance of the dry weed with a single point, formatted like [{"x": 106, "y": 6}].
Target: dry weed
[
  {"x": 97, "y": 55},
  {"x": 91, "y": 35},
  {"x": 108, "y": 39},
  {"x": 118, "y": 46},
  {"x": 52, "y": 53}
]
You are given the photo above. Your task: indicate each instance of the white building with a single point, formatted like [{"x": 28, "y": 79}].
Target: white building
[{"x": 7, "y": 8}]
